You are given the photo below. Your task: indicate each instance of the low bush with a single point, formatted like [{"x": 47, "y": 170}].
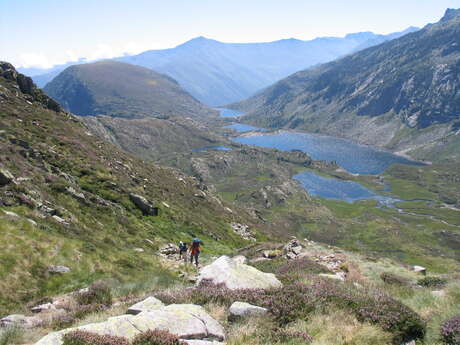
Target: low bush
[
  {"x": 432, "y": 282},
  {"x": 97, "y": 293},
  {"x": 299, "y": 301},
  {"x": 295, "y": 270},
  {"x": 87, "y": 338},
  {"x": 450, "y": 331},
  {"x": 10, "y": 334},
  {"x": 156, "y": 337},
  {"x": 83, "y": 310},
  {"x": 284, "y": 335},
  {"x": 393, "y": 279}
]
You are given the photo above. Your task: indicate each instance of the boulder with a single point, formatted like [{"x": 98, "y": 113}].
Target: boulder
[
  {"x": 419, "y": 269},
  {"x": 149, "y": 304},
  {"x": 5, "y": 177},
  {"x": 241, "y": 309},
  {"x": 235, "y": 275},
  {"x": 43, "y": 307},
  {"x": 58, "y": 269},
  {"x": 336, "y": 276},
  {"x": 271, "y": 254},
  {"x": 240, "y": 259},
  {"x": 20, "y": 320},
  {"x": 145, "y": 206},
  {"x": 187, "y": 321},
  {"x": 169, "y": 250}
]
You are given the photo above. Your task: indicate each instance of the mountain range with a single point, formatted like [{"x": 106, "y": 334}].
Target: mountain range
[
  {"x": 218, "y": 73},
  {"x": 403, "y": 94}
]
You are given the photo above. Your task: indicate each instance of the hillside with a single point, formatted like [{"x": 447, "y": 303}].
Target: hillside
[
  {"x": 403, "y": 95},
  {"x": 123, "y": 90},
  {"x": 69, "y": 198}
]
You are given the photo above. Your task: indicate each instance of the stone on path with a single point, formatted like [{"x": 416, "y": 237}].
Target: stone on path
[
  {"x": 241, "y": 309},
  {"x": 149, "y": 304},
  {"x": 235, "y": 275}
]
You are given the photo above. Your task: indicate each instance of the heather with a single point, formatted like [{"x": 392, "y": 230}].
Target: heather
[
  {"x": 156, "y": 337},
  {"x": 87, "y": 338},
  {"x": 432, "y": 282},
  {"x": 299, "y": 301},
  {"x": 450, "y": 331}
]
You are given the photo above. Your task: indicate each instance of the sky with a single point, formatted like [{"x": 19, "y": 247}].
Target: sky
[{"x": 43, "y": 33}]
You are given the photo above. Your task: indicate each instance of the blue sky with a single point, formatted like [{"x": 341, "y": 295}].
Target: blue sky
[{"x": 47, "y": 32}]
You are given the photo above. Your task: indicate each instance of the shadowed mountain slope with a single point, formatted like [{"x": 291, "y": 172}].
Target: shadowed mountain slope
[{"x": 403, "y": 94}]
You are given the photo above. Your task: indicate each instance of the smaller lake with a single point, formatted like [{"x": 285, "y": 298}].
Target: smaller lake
[
  {"x": 332, "y": 188},
  {"x": 224, "y": 112},
  {"x": 214, "y": 147},
  {"x": 241, "y": 128}
]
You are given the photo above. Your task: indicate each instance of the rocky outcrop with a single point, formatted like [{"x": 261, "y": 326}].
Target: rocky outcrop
[
  {"x": 20, "y": 320},
  {"x": 144, "y": 205},
  {"x": 187, "y": 321},
  {"x": 147, "y": 305},
  {"x": 58, "y": 269},
  {"x": 27, "y": 86},
  {"x": 5, "y": 177},
  {"x": 241, "y": 309},
  {"x": 169, "y": 251},
  {"x": 293, "y": 249},
  {"x": 243, "y": 230},
  {"x": 235, "y": 275}
]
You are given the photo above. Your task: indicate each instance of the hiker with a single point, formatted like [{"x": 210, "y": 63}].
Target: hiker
[
  {"x": 195, "y": 250},
  {"x": 182, "y": 251}
]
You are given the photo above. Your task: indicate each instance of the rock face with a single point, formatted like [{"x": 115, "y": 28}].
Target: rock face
[
  {"x": 241, "y": 309},
  {"x": 187, "y": 321},
  {"x": 235, "y": 275},
  {"x": 146, "y": 305},
  {"x": 145, "y": 206},
  {"x": 5, "y": 177}
]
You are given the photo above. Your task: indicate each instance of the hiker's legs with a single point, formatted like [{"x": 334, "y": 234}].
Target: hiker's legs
[{"x": 196, "y": 259}]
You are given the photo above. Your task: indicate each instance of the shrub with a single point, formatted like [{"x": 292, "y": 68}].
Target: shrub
[
  {"x": 285, "y": 335},
  {"x": 97, "y": 293},
  {"x": 393, "y": 279},
  {"x": 62, "y": 321},
  {"x": 83, "y": 310},
  {"x": 450, "y": 331},
  {"x": 156, "y": 337},
  {"x": 432, "y": 282},
  {"x": 295, "y": 269},
  {"x": 10, "y": 334},
  {"x": 79, "y": 337}
]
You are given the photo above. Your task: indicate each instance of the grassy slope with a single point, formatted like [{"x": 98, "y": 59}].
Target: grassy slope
[
  {"x": 58, "y": 152},
  {"x": 120, "y": 89}
]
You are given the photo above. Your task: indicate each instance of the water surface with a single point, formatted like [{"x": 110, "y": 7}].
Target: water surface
[
  {"x": 212, "y": 147},
  {"x": 355, "y": 158}
]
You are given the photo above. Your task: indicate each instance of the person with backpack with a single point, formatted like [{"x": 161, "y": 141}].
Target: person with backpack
[
  {"x": 195, "y": 249},
  {"x": 182, "y": 251}
]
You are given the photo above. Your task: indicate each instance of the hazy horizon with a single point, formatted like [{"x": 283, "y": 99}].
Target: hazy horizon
[{"x": 52, "y": 32}]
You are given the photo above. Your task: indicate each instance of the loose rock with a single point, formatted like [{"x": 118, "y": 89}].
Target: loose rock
[
  {"x": 241, "y": 309},
  {"x": 149, "y": 304},
  {"x": 237, "y": 276},
  {"x": 58, "y": 269}
]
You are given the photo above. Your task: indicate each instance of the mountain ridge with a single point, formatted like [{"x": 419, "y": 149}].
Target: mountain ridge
[{"x": 402, "y": 94}]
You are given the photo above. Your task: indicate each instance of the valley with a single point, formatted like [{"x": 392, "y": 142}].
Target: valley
[{"x": 319, "y": 196}]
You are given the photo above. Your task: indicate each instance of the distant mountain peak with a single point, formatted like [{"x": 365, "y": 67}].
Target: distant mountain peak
[
  {"x": 450, "y": 14},
  {"x": 198, "y": 41}
]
